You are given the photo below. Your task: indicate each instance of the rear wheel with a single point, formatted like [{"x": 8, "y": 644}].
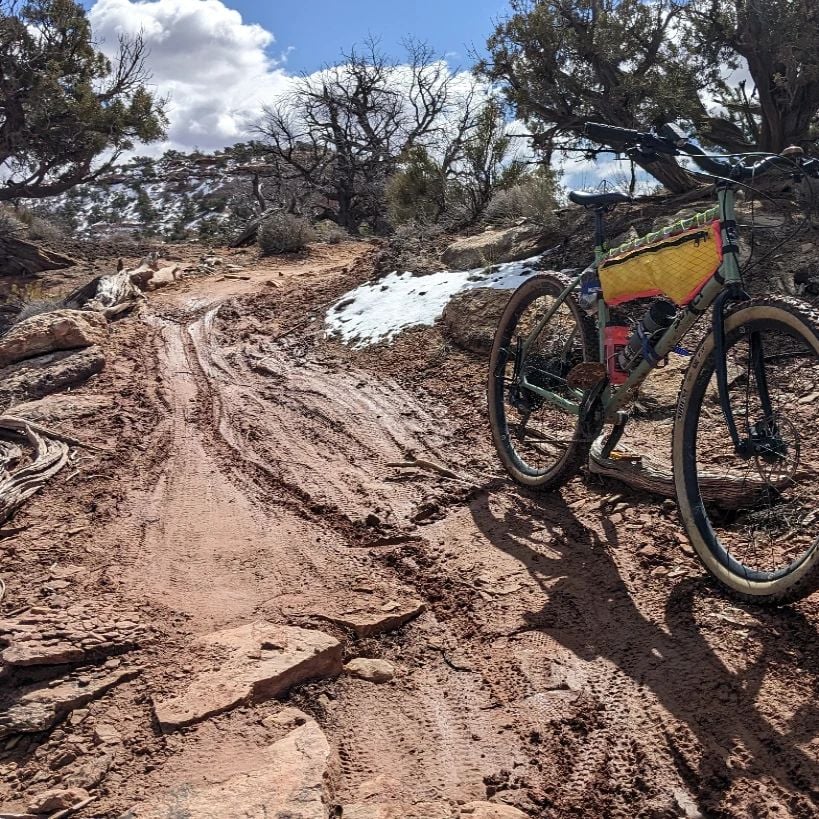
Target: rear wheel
[
  {"x": 753, "y": 515},
  {"x": 541, "y": 444}
]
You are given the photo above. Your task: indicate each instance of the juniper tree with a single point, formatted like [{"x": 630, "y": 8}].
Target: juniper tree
[{"x": 63, "y": 104}]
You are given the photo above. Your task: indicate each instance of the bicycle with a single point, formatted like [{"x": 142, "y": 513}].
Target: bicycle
[{"x": 746, "y": 474}]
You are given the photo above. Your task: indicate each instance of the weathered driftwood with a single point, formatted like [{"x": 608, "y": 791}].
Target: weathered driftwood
[
  {"x": 21, "y": 258},
  {"x": 655, "y": 477},
  {"x": 115, "y": 294},
  {"x": 49, "y": 456}
]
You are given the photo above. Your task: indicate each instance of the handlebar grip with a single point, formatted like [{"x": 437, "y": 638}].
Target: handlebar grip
[
  {"x": 708, "y": 164},
  {"x": 610, "y": 134}
]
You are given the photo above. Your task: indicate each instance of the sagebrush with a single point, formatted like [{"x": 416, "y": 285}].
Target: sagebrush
[{"x": 284, "y": 233}]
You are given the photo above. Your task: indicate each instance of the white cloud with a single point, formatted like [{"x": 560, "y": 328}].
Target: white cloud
[{"x": 215, "y": 67}]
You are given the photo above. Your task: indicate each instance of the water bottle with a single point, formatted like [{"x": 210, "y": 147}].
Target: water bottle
[
  {"x": 590, "y": 290},
  {"x": 615, "y": 339},
  {"x": 649, "y": 330}
]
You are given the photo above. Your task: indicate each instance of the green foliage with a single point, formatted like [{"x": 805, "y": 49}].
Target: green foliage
[
  {"x": 215, "y": 231},
  {"x": 145, "y": 208},
  {"x": 778, "y": 40},
  {"x": 284, "y": 233},
  {"x": 417, "y": 191},
  {"x": 62, "y": 102},
  {"x": 610, "y": 60},
  {"x": 565, "y": 63},
  {"x": 485, "y": 166}
]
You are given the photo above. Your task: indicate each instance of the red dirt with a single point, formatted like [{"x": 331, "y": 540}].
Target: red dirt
[{"x": 572, "y": 660}]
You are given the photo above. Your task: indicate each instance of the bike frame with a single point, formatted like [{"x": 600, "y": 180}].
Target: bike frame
[{"x": 727, "y": 277}]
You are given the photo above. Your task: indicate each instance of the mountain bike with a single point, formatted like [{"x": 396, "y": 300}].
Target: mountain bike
[{"x": 745, "y": 451}]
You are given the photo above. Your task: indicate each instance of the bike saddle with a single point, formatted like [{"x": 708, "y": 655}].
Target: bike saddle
[{"x": 590, "y": 199}]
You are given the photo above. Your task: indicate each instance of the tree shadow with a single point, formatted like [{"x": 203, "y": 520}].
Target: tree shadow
[{"x": 663, "y": 649}]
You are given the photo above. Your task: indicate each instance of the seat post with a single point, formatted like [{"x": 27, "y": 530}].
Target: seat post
[{"x": 599, "y": 229}]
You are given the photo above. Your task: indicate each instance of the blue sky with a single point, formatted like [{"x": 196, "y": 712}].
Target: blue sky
[{"x": 317, "y": 29}]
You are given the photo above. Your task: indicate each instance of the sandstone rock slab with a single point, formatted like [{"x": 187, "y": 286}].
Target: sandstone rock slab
[
  {"x": 257, "y": 661},
  {"x": 399, "y": 810},
  {"x": 471, "y": 317},
  {"x": 490, "y": 810},
  {"x": 377, "y": 671},
  {"x": 431, "y": 810},
  {"x": 495, "y": 246},
  {"x": 57, "y": 799},
  {"x": 288, "y": 782},
  {"x": 40, "y": 376},
  {"x": 37, "y": 707},
  {"x": 58, "y": 636},
  {"x": 163, "y": 277},
  {"x": 70, "y": 407},
  {"x": 367, "y": 617},
  {"x": 49, "y": 332}
]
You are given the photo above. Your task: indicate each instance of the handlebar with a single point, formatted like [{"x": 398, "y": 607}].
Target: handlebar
[{"x": 670, "y": 141}]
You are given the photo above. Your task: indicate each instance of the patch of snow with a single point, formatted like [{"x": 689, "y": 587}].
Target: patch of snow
[{"x": 378, "y": 311}]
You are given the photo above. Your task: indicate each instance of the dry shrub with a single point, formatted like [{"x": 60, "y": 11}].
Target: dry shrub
[
  {"x": 24, "y": 301},
  {"x": 533, "y": 200},
  {"x": 284, "y": 233},
  {"x": 10, "y": 226},
  {"x": 41, "y": 230},
  {"x": 414, "y": 246},
  {"x": 329, "y": 232}
]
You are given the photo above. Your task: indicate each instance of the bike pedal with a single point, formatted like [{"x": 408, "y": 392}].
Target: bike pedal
[{"x": 586, "y": 375}]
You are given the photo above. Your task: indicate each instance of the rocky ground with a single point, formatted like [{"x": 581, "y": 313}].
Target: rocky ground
[{"x": 287, "y": 578}]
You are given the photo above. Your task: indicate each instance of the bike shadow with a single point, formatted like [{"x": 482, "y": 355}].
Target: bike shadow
[{"x": 726, "y": 718}]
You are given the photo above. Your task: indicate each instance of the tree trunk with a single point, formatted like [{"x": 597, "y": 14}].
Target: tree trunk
[{"x": 666, "y": 171}]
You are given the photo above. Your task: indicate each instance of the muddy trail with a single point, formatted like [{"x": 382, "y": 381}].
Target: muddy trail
[{"x": 562, "y": 655}]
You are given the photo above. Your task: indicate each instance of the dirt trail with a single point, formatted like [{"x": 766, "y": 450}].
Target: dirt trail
[
  {"x": 571, "y": 660},
  {"x": 274, "y": 480}
]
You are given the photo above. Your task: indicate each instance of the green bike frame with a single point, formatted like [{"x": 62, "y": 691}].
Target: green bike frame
[{"x": 728, "y": 275}]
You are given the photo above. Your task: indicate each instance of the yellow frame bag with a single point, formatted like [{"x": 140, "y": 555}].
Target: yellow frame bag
[{"x": 676, "y": 267}]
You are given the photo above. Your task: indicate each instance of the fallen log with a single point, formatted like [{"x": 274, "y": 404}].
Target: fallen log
[
  {"x": 49, "y": 456},
  {"x": 655, "y": 477}
]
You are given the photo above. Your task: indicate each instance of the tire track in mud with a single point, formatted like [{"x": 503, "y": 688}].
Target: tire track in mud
[{"x": 326, "y": 435}]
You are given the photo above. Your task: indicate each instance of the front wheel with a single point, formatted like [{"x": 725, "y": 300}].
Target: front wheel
[
  {"x": 752, "y": 511},
  {"x": 540, "y": 443}
]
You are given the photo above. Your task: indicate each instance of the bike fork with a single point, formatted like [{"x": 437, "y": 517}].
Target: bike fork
[{"x": 736, "y": 293}]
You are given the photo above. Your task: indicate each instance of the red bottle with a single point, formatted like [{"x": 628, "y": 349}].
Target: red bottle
[{"x": 615, "y": 338}]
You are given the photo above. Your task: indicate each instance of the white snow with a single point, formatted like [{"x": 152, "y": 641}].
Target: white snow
[{"x": 380, "y": 310}]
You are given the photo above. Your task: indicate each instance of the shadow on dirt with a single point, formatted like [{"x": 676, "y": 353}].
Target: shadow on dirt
[{"x": 719, "y": 730}]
